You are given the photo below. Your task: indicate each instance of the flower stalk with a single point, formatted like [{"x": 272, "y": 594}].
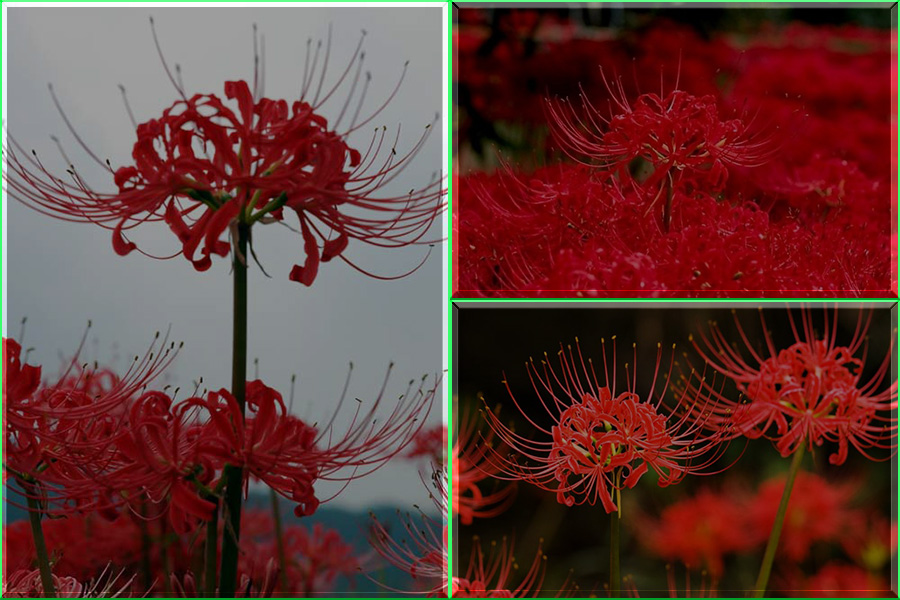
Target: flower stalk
[
  {"x": 615, "y": 579},
  {"x": 279, "y": 542},
  {"x": 615, "y": 518},
  {"x": 40, "y": 544},
  {"x": 769, "y": 557},
  {"x": 209, "y": 566},
  {"x": 234, "y": 477}
]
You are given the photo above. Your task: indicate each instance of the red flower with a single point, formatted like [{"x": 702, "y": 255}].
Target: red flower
[
  {"x": 421, "y": 548},
  {"x": 601, "y": 442},
  {"x": 27, "y": 584},
  {"x": 205, "y": 167},
  {"x": 493, "y": 577},
  {"x": 289, "y": 455},
  {"x": 430, "y": 443},
  {"x": 818, "y": 512},
  {"x": 680, "y": 135},
  {"x": 807, "y": 393},
  {"x": 314, "y": 556},
  {"x": 699, "y": 531},
  {"x": 471, "y": 465}
]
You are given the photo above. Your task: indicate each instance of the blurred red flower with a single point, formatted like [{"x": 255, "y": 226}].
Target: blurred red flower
[
  {"x": 699, "y": 531},
  {"x": 818, "y": 512},
  {"x": 471, "y": 466}
]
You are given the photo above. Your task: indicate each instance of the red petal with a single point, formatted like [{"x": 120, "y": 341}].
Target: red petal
[
  {"x": 334, "y": 247},
  {"x": 120, "y": 244},
  {"x": 307, "y": 273}
]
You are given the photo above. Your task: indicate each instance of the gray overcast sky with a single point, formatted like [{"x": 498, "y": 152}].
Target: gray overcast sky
[{"x": 60, "y": 274}]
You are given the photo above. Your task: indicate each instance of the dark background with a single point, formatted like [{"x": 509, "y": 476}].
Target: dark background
[{"x": 493, "y": 342}]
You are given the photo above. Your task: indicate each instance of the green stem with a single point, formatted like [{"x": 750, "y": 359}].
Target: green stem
[
  {"x": 769, "y": 557},
  {"x": 667, "y": 209},
  {"x": 615, "y": 577},
  {"x": 234, "y": 476},
  {"x": 166, "y": 558},
  {"x": 209, "y": 566},
  {"x": 40, "y": 544},
  {"x": 146, "y": 545},
  {"x": 279, "y": 541}
]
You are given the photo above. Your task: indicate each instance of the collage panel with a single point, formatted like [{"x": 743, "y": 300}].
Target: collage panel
[
  {"x": 674, "y": 449},
  {"x": 224, "y": 300},
  {"x": 675, "y": 150}
]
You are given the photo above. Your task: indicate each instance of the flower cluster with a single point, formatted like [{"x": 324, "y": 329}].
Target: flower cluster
[
  {"x": 714, "y": 185},
  {"x": 117, "y": 450},
  {"x": 713, "y": 526}
]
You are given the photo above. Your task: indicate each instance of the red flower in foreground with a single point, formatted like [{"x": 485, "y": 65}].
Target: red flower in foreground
[
  {"x": 493, "y": 577},
  {"x": 599, "y": 441},
  {"x": 27, "y": 584},
  {"x": 290, "y": 456},
  {"x": 206, "y": 168},
  {"x": 807, "y": 393}
]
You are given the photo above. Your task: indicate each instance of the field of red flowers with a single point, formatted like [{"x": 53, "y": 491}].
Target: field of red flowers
[
  {"x": 691, "y": 452},
  {"x": 656, "y": 158}
]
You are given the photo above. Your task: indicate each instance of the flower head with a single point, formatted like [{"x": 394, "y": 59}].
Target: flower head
[
  {"x": 208, "y": 166},
  {"x": 601, "y": 441},
  {"x": 290, "y": 456},
  {"x": 809, "y": 392},
  {"x": 677, "y": 133}
]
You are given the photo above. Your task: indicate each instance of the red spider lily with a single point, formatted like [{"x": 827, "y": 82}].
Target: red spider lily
[
  {"x": 205, "y": 167},
  {"x": 81, "y": 546},
  {"x": 699, "y": 530},
  {"x": 600, "y": 441},
  {"x": 27, "y": 584},
  {"x": 492, "y": 578},
  {"x": 290, "y": 455},
  {"x": 314, "y": 557},
  {"x": 63, "y": 435},
  {"x": 471, "y": 466},
  {"x": 807, "y": 393},
  {"x": 818, "y": 512},
  {"x": 678, "y": 133},
  {"x": 421, "y": 548}
]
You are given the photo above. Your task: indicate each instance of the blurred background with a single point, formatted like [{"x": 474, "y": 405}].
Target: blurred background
[{"x": 845, "y": 515}]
